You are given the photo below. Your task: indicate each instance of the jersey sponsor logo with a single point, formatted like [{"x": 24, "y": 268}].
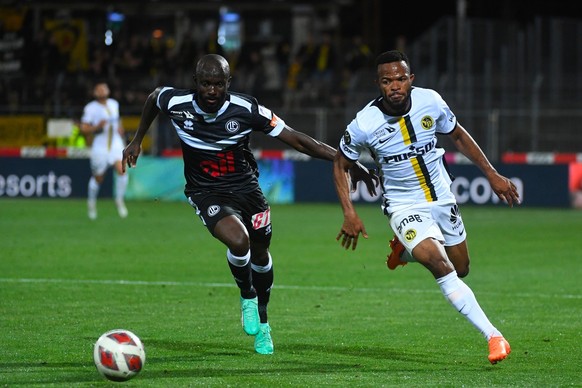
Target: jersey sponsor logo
[
  {"x": 232, "y": 126},
  {"x": 223, "y": 165},
  {"x": 188, "y": 115},
  {"x": 414, "y": 152},
  {"x": 213, "y": 210},
  {"x": 426, "y": 122},
  {"x": 408, "y": 220},
  {"x": 260, "y": 220},
  {"x": 188, "y": 124}
]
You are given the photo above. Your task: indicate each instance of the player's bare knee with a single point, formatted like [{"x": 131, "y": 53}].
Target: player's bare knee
[
  {"x": 237, "y": 243},
  {"x": 462, "y": 270},
  {"x": 261, "y": 259}
]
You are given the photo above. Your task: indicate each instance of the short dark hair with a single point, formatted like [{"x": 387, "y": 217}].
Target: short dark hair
[{"x": 392, "y": 56}]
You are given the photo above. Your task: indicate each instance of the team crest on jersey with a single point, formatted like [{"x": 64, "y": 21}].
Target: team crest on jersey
[
  {"x": 213, "y": 210},
  {"x": 410, "y": 235},
  {"x": 427, "y": 122},
  {"x": 232, "y": 126},
  {"x": 347, "y": 137}
]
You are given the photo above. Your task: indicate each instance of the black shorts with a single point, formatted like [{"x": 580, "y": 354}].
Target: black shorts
[{"x": 251, "y": 208}]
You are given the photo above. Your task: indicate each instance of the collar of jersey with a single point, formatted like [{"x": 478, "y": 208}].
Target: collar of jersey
[{"x": 209, "y": 117}]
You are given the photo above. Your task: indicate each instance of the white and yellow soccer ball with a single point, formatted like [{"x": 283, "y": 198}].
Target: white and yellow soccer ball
[{"x": 119, "y": 355}]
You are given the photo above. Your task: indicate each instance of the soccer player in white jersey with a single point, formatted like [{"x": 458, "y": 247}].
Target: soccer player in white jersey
[
  {"x": 214, "y": 126},
  {"x": 101, "y": 122},
  {"x": 399, "y": 129}
]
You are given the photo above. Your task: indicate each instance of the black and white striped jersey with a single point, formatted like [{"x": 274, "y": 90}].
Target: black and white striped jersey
[{"x": 215, "y": 146}]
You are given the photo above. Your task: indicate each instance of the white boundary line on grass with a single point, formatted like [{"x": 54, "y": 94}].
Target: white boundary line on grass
[{"x": 310, "y": 288}]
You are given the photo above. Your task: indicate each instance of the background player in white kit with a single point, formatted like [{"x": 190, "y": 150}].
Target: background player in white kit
[
  {"x": 101, "y": 121},
  {"x": 399, "y": 129}
]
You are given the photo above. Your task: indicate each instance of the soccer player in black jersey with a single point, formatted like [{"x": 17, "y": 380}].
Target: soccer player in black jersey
[{"x": 214, "y": 126}]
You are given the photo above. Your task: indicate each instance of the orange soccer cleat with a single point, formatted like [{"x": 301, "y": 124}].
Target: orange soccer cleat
[
  {"x": 498, "y": 349},
  {"x": 393, "y": 260}
]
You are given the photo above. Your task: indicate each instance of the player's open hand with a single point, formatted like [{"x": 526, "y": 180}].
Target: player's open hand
[
  {"x": 505, "y": 189},
  {"x": 130, "y": 155},
  {"x": 369, "y": 177},
  {"x": 350, "y": 231}
]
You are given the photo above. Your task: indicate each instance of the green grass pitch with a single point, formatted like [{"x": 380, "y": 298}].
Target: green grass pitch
[{"x": 339, "y": 318}]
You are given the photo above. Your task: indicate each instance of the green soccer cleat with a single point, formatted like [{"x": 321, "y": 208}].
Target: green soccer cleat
[
  {"x": 250, "y": 315},
  {"x": 263, "y": 340}
]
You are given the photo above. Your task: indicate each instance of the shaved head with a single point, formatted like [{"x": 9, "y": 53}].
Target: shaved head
[
  {"x": 212, "y": 65},
  {"x": 211, "y": 80}
]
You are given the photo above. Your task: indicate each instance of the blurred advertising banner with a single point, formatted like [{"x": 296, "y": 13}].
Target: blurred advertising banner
[
  {"x": 283, "y": 181},
  {"x": 163, "y": 179},
  {"x": 48, "y": 178},
  {"x": 538, "y": 185},
  {"x": 156, "y": 178},
  {"x": 576, "y": 185}
]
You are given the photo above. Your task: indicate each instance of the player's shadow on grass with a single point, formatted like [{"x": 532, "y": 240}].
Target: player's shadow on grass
[
  {"x": 289, "y": 358},
  {"x": 215, "y": 359}
]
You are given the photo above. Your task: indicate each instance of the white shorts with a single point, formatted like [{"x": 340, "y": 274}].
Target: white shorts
[
  {"x": 101, "y": 160},
  {"x": 440, "y": 221}
]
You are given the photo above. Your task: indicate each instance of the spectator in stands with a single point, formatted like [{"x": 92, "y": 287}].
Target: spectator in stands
[
  {"x": 101, "y": 122},
  {"x": 323, "y": 73}
]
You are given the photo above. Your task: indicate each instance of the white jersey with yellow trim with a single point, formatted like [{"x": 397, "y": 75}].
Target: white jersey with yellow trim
[
  {"x": 405, "y": 148},
  {"x": 109, "y": 140}
]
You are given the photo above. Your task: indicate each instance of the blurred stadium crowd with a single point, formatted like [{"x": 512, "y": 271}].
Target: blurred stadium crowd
[
  {"x": 509, "y": 77},
  {"x": 51, "y": 60}
]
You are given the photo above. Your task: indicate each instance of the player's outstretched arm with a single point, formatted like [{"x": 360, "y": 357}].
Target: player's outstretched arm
[
  {"x": 502, "y": 186},
  {"x": 305, "y": 144},
  {"x": 317, "y": 149},
  {"x": 352, "y": 225},
  {"x": 149, "y": 112}
]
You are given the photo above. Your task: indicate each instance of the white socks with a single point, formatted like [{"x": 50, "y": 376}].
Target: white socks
[
  {"x": 463, "y": 299},
  {"x": 238, "y": 261},
  {"x": 93, "y": 190},
  {"x": 263, "y": 269},
  {"x": 120, "y": 186}
]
